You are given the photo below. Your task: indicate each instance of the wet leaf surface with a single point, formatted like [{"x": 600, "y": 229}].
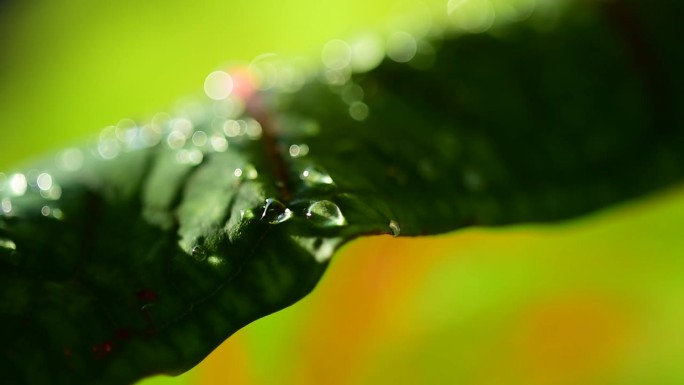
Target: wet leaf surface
[{"x": 142, "y": 252}]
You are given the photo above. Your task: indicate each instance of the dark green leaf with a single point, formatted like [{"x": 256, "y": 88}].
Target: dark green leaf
[{"x": 132, "y": 258}]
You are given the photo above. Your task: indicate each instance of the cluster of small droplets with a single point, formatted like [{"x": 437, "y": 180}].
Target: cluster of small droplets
[
  {"x": 190, "y": 134},
  {"x": 33, "y": 182},
  {"x": 320, "y": 213}
]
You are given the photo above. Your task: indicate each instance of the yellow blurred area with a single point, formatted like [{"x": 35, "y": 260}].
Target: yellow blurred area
[
  {"x": 593, "y": 301},
  {"x": 598, "y": 300}
]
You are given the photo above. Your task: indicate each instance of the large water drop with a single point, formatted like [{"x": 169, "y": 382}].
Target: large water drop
[
  {"x": 325, "y": 213},
  {"x": 275, "y": 212}
]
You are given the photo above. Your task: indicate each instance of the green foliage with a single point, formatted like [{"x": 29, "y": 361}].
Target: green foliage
[{"x": 149, "y": 252}]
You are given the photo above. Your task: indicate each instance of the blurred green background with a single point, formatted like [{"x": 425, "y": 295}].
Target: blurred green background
[{"x": 598, "y": 300}]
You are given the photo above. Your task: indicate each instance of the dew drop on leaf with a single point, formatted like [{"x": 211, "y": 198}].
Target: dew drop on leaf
[
  {"x": 394, "y": 228},
  {"x": 6, "y": 206},
  {"x": 325, "y": 213},
  {"x": 275, "y": 212},
  {"x": 199, "y": 253},
  {"x": 7, "y": 244},
  {"x": 313, "y": 175},
  {"x": 249, "y": 172}
]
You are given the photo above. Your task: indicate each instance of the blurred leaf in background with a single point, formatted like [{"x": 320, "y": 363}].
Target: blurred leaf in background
[{"x": 593, "y": 301}]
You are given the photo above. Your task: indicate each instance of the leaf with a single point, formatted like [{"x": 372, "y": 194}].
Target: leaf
[{"x": 141, "y": 254}]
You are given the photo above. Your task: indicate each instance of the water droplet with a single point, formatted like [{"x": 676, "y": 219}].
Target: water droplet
[
  {"x": 218, "y": 143},
  {"x": 337, "y": 54},
  {"x": 44, "y": 181},
  {"x": 7, "y": 244},
  {"x": 18, "y": 184},
  {"x": 367, "y": 52},
  {"x": 184, "y": 126},
  {"x": 108, "y": 148},
  {"x": 233, "y": 128},
  {"x": 401, "y": 47},
  {"x": 192, "y": 156},
  {"x": 275, "y": 212},
  {"x": 58, "y": 214},
  {"x": 298, "y": 150},
  {"x": 199, "y": 253},
  {"x": 474, "y": 16},
  {"x": 71, "y": 159},
  {"x": 352, "y": 93},
  {"x": 6, "y": 206},
  {"x": 54, "y": 193},
  {"x": 315, "y": 175},
  {"x": 325, "y": 213},
  {"x": 218, "y": 85},
  {"x": 176, "y": 139},
  {"x": 150, "y": 135},
  {"x": 199, "y": 138},
  {"x": 358, "y": 111},
  {"x": 394, "y": 228},
  {"x": 250, "y": 172},
  {"x": 253, "y": 129}
]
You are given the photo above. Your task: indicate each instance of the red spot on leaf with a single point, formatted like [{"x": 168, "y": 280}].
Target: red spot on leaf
[
  {"x": 123, "y": 334},
  {"x": 146, "y": 295},
  {"x": 102, "y": 350}
]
